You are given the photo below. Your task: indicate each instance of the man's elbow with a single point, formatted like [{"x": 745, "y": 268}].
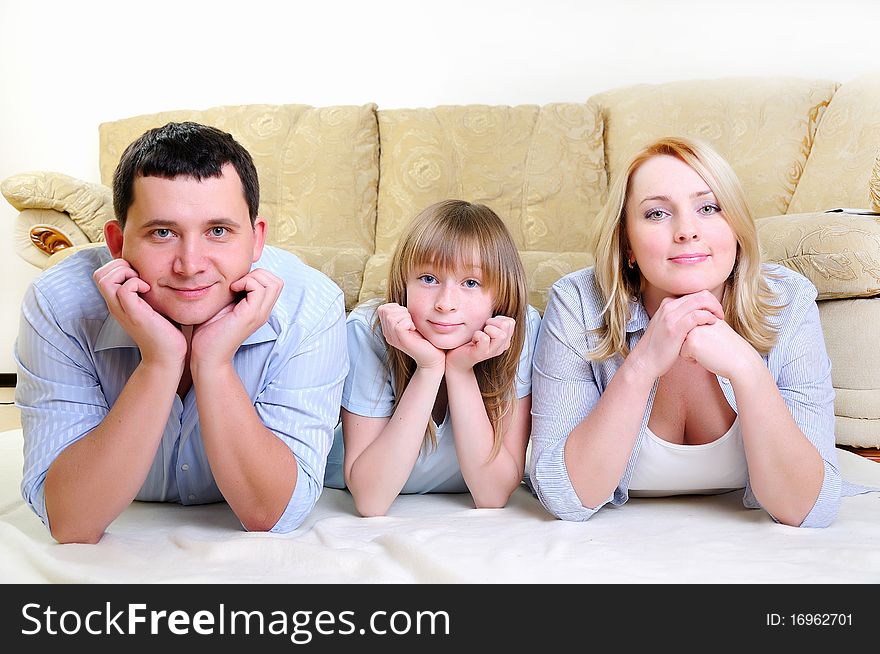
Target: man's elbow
[{"x": 66, "y": 534}]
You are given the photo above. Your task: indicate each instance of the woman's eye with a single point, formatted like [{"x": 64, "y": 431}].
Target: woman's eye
[
  {"x": 472, "y": 283},
  {"x": 709, "y": 209},
  {"x": 656, "y": 214},
  {"x": 428, "y": 279},
  {"x": 218, "y": 231}
]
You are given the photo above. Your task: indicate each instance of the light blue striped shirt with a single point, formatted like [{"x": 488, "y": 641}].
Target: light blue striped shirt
[
  {"x": 369, "y": 391},
  {"x": 74, "y": 360},
  {"x": 566, "y": 386}
]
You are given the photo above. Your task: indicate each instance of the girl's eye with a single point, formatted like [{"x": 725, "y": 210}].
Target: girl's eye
[
  {"x": 218, "y": 231},
  {"x": 428, "y": 279},
  {"x": 656, "y": 214},
  {"x": 709, "y": 209},
  {"x": 472, "y": 283},
  {"x": 162, "y": 232}
]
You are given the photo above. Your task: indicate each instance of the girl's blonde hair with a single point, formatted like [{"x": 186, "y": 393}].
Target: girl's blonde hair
[
  {"x": 445, "y": 235},
  {"x": 747, "y": 302}
]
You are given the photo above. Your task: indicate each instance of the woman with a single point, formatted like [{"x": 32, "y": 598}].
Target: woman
[{"x": 679, "y": 364}]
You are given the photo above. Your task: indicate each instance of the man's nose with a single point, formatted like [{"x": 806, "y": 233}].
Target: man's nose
[{"x": 189, "y": 258}]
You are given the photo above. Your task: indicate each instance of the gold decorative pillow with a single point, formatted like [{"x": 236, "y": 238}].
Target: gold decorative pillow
[{"x": 838, "y": 252}]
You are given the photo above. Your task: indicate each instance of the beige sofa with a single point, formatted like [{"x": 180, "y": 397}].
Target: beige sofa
[{"x": 339, "y": 183}]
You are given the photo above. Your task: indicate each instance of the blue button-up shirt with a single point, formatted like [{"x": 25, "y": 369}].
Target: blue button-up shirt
[
  {"x": 74, "y": 359},
  {"x": 566, "y": 386}
]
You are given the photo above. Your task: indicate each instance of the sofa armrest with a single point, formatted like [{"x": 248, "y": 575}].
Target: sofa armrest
[
  {"x": 839, "y": 252},
  {"x": 57, "y": 212}
]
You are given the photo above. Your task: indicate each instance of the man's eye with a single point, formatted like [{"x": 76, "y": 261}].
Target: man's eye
[
  {"x": 162, "y": 232},
  {"x": 218, "y": 231}
]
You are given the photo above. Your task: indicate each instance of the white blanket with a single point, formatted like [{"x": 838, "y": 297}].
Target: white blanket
[{"x": 442, "y": 539}]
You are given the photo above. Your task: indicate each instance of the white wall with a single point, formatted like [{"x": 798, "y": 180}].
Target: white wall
[{"x": 67, "y": 66}]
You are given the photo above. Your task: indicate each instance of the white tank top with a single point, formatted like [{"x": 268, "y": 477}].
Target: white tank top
[{"x": 664, "y": 468}]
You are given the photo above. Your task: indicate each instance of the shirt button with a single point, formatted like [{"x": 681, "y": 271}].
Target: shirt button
[
  {"x": 191, "y": 496},
  {"x": 184, "y": 467}
]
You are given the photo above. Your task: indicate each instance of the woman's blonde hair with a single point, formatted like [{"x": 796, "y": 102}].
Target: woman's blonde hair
[
  {"x": 452, "y": 233},
  {"x": 747, "y": 300}
]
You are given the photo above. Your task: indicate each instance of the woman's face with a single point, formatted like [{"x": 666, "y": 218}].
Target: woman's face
[{"x": 678, "y": 234}]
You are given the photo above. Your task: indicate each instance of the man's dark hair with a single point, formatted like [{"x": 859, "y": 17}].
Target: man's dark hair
[{"x": 183, "y": 149}]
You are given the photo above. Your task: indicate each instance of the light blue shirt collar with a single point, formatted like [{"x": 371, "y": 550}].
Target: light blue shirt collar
[{"x": 112, "y": 335}]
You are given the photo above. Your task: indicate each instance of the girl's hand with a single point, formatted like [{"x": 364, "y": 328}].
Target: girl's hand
[
  {"x": 486, "y": 343},
  {"x": 661, "y": 344},
  {"x": 400, "y": 332},
  {"x": 720, "y": 350}
]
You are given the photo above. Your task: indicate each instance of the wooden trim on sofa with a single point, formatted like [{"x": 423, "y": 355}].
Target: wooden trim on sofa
[
  {"x": 48, "y": 239},
  {"x": 872, "y": 453},
  {"x": 8, "y": 380}
]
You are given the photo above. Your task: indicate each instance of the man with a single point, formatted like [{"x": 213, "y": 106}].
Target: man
[{"x": 170, "y": 368}]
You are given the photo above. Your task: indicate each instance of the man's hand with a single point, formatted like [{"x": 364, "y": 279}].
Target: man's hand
[
  {"x": 216, "y": 341},
  {"x": 486, "y": 343},
  {"x": 159, "y": 340},
  {"x": 400, "y": 332}
]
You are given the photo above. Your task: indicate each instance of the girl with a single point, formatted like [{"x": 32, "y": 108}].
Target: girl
[
  {"x": 680, "y": 364},
  {"x": 437, "y": 398}
]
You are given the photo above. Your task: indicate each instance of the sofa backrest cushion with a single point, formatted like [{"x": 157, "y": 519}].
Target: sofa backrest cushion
[
  {"x": 846, "y": 148},
  {"x": 765, "y": 127},
  {"x": 318, "y": 167},
  {"x": 541, "y": 169}
]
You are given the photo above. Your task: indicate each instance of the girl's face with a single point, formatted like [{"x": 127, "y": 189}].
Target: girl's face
[
  {"x": 677, "y": 232},
  {"x": 448, "y": 306}
]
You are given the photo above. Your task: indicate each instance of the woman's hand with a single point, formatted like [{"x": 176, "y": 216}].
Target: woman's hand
[
  {"x": 400, "y": 332},
  {"x": 720, "y": 350},
  {"x": 668, "y": 328}
]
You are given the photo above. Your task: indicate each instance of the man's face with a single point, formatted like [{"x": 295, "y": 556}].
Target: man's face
[{"x": 189, "y": 240}]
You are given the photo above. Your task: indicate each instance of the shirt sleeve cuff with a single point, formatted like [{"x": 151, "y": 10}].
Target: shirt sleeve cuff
[
  {"x": 554, "y": 489},
  {"x": 825, "y": 509},
  {"x": 302, "y": 501}
]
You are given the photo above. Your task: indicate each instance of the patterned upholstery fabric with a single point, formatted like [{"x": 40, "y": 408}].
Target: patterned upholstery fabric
[
  {"x": 764, "y": 127},
  {"x": 846, "y": 148},
  {"x": 838, "y": 252},
  {"x": 541, "y": 169}
]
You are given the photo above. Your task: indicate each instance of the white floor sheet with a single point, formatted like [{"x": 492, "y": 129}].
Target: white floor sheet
[{"x": 442, "y": 539}]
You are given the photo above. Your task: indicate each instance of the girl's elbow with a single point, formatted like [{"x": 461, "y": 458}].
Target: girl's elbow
[{"x": 369, "y": 507}]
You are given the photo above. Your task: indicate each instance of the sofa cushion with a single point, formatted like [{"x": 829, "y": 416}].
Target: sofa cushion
[
  {"x": 848, "y": 326},
  {"x": 838, "y": 252},
  {"x": 542, "y": 169},
  {"x": 846, "y": 147},
  {"x": 345, "y": 266},
  {"x": 318, "y": 167},
  {"x": 763, "y": 126}
]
